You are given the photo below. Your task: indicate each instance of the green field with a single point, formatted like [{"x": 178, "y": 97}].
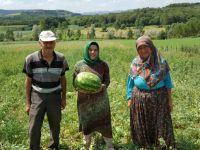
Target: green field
[
  {"x": 13, "y": 27},
  {"x": 183, "y": 56}
]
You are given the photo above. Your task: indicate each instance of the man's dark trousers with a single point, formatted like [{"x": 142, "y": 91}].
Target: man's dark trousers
[{"x": 41, "y": 103}]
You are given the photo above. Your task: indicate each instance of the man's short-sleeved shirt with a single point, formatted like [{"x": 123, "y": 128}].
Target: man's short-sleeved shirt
[{"x": 45, "y": 77}]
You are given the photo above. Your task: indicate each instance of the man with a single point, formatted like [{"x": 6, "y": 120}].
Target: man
[{"x": 45, "y": 89}]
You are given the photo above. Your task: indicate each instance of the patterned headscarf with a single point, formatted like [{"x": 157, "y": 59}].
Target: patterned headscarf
[
  {"x": 154, "y": 69},
  {"x": 86, "y": 55}
]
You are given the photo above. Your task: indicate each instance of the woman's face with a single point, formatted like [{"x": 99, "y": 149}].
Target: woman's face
[
  {"x": 93, "y": 51},
  {"x": 144, "y": 51}
]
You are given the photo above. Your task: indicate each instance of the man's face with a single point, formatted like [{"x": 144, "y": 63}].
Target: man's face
[{"x": 47, "y": 47}]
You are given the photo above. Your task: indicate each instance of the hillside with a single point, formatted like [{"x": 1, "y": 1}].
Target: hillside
[
  {"x": 38, "y": 12},
  {"x": 174, "y": 13},
  {"x": 21, "y": 17}
]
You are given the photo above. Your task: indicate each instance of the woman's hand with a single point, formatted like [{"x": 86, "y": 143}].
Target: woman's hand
[
  {"x": 170, "y": 104},
  {"x": 103, "y": 86},
  {"x": 130, "y": 102},
  {"x": 170, "y": 100}
]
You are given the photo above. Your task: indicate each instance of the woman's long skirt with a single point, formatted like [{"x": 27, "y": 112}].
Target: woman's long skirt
[
  {"x": 94, "y": 113},
  {"x": 150, "y": 119}
]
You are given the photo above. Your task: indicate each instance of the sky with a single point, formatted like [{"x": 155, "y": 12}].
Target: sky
[{"x": 81, "y": 6}]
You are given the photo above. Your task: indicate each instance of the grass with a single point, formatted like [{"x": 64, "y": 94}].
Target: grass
[{"x": 185, "y": 72}]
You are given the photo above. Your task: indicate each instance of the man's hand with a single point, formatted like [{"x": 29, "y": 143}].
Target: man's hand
[
  {"x": 28, "y": 83},
  {"x": 27, "y": 109},
  {"x": 63, "y": 103},
  {"x": 63, "y": 82}
]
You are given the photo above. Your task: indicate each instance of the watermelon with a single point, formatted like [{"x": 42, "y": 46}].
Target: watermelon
[{"x": 87, "y": 82}]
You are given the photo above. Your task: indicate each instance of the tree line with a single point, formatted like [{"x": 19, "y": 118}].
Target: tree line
[
  {"x": 179, "y": 20},
  {"x": 174, "y": 13}
]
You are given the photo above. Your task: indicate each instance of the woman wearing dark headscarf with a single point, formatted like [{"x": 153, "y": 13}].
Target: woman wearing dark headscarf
[
  {"x": 149, "y": 97},
  {"x": 94, "y": 109}
]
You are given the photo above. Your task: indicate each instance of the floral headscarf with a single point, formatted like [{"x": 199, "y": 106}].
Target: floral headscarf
[
  {"x": 154, "y": 69},
  {"x": 86, "y": 55}
]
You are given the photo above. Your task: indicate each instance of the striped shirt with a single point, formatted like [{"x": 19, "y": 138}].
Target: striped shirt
[{"x": 45, "y": 77}]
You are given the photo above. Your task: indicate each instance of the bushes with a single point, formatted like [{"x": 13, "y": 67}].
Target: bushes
[{"x": 191, "y": 28}]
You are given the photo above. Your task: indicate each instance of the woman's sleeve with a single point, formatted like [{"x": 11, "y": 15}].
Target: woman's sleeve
[
  {"x": 106, "y": 76},
  {"x": 129, "y": 87},
  {"x": 168, "y": 81}
]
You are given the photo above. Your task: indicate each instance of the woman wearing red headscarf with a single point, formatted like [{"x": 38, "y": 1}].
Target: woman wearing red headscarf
[{"x": 149, "y": 97}]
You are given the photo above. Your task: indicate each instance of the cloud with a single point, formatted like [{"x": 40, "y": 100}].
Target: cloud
[
  {"x": 50, "y": 1},
  {"x": 6, "y": 2},
  {"x": 116, "y": 1}
]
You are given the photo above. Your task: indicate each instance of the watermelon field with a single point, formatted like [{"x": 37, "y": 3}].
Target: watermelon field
[{"x": 183, "y": 56}]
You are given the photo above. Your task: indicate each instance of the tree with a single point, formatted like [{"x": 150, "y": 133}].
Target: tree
[
  {"x": 123, "y": 26},
  {"x": 130, "y": 34},
  {"x": 117, "y": 25},
  {"x": 35, "y": 32},
  {"x": 104, "y": 27},
  {"x": 190, "y": 28},
  {"x": 91, "y": 33},
  {"x": 110, "y": 35},
  {"x": 9, "y": 35},
  {"x": 70, "y": 33},
  {"x": 2, "y": 36},
  {"x": 138, "y": 33},
  {"x": 164, "y": 19},
  {"x": 59, "y": 34},
  {"x": 18, "y": 35},
  {"x": 162, "y": 35},
  {"x": 63, "y": 24},
  {"x": 120, "y": 35},
  {"x": 78, "y": 34},
  {"x": 139, "y": 23},
  {"x": 43, "y": 25}
]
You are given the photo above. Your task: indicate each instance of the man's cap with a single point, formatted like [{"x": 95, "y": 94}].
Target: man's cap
[{"x": 47, "y": 36}]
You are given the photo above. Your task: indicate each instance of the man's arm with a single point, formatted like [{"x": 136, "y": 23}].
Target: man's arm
[
  {"x": 63, "y": 82},
  {"x": 28, "y": 83}
]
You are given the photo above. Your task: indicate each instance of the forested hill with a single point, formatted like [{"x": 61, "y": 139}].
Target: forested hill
[
  {"x": 174, "y": 13},
  {"x": 38, "y": 12},
  {"x": 8, "y": 17}
]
